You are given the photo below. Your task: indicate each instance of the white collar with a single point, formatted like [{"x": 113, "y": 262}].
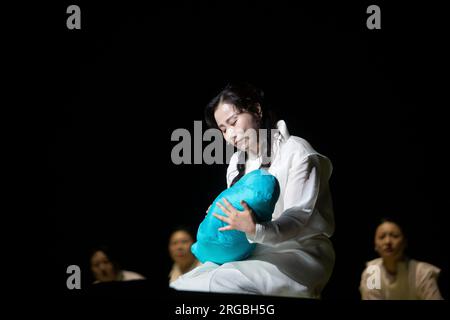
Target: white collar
[{"x": 282, "y": 133}]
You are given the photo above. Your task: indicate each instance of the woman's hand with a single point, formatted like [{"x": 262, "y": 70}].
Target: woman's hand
[
  {"x": 208, "y": 209},
  {"x": 237, "y": 220}
]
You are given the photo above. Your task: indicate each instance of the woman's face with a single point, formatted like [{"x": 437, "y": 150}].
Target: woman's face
[
  {"x": 180, "y": 247},
  {"x": 238, "y": 128},
  {"x": 102, "y": 268},
  {"x": 389, "y": 241}
]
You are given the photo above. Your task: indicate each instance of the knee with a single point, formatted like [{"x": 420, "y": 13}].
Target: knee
[
  {"x": 230, "y": 281},
  {"x": 222, "y": 280}
]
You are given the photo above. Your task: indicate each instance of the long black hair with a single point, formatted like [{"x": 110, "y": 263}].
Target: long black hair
[{"x": 245, "y": 97}]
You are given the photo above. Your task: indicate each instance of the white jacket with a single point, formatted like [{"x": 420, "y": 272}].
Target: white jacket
[
  {"x": 415, "y": 280},
  {"x": 296, "y": 240}
]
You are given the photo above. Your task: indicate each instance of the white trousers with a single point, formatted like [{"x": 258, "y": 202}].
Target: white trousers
[{"x": 231, "y": 278}]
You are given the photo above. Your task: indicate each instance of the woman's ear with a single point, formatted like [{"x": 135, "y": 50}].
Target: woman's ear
[
  {"x": 259, "y": 111},
  {"x": 376, "y": 249}
]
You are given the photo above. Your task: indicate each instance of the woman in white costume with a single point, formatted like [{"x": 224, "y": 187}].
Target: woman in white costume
[
  {"x": 294, "y": 256},
  {"x": 400, "y": 278}
]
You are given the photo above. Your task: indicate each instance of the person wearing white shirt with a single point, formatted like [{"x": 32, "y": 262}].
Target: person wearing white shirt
[
  {"x": 105, "y": 267},
  {"x": 294, "y": 256},
  {"x": 399, "y": 277}
]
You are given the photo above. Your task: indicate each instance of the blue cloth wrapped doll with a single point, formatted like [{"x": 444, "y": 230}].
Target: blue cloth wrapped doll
[{"x": 260, "y": 190}]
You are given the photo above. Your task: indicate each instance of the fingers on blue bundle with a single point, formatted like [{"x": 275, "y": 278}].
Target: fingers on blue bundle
[{"x": 260, "y": 190}]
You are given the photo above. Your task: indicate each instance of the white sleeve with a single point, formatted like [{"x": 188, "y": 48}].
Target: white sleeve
[
  {"x": 300, "y": 197},
  {"x": 427, "y": 282}
]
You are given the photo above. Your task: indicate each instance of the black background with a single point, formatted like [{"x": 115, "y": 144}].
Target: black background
[{"x": 115, "y": 90}]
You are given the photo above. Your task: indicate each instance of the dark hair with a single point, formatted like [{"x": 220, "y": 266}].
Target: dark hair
[
  {"x": 245, "y": 97},
  {"x": 109, "y": 252},
  {"x": 184, "y": 228},
  {"x": 396, "y": 221},
  {"x": 403, "y": 227}
]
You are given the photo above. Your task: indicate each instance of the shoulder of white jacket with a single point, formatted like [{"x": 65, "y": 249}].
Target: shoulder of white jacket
[
  {"x": 131, "y": 275},
  {"x": 374, "y": 262},
  {"x": 299, "y": 146},
  {"x": 426, "y": 268}
]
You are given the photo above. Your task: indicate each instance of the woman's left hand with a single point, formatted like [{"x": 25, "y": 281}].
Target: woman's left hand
[{"x": 237, "y": 220}]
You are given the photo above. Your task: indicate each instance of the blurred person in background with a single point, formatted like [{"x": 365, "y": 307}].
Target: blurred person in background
[
  {"x": 180, "y": 242},
  {"x": 105, "y": 267},
  {"x": 400, "y": 277}
]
